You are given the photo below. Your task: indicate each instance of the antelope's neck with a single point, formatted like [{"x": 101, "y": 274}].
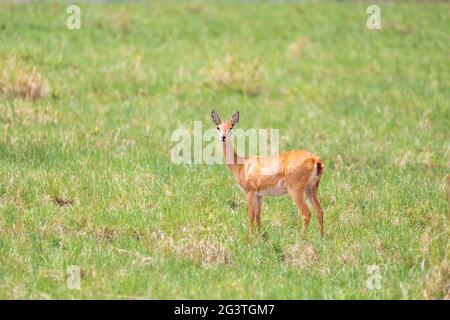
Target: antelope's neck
[{"x": 232, "y": 159}]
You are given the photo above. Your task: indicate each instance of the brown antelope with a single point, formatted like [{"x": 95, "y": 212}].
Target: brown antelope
[{"x": 295, "y": 172}]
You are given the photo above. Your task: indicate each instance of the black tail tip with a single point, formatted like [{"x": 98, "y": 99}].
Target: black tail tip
[{"x": 319, "y": 168}]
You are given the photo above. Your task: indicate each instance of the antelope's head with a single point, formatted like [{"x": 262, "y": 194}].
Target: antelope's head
[{"x": 224, "y": 128}]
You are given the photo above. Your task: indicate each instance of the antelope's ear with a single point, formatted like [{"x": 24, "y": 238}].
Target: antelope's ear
[
  {"x": 215, "y": 117},
  {"x": 235, "y": 118}
]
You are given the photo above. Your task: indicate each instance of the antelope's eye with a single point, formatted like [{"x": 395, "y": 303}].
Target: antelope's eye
[{"x": 217, "y": 127}]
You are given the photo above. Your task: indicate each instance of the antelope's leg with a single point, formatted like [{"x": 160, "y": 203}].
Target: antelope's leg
[
  {"x": 297, "y": 195},
  {"x": 251, "y": 209},
  {"x": 312, "y": 196},
  {"x": 258, "y": 206}
]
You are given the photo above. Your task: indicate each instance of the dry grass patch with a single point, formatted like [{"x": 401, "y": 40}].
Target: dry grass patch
[
  {"x": 296, "y": 47},
  {"x": 234, "y": 74},
  {"x": 29, "y": 85},
  {"x": 300, "y": 255},
  {"x": 351, "y": 254},
  {"x": 100, "y": 233},
  {"x": 62, "y": 201},
  {"x": 206, "y": 252},
  {"x": 106, "y": 233},
  {"x": 25, "y": 113},
  {"x": 437, "y": 284},
  {"x": 195, "y": 8},
  {"x": 20, "y": 80},
  {"x": 51, "y": 274},
  {"x": 122, "y": 21}
]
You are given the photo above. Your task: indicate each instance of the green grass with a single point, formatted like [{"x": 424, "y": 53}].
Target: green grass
[{"x": 374, "y": 105}]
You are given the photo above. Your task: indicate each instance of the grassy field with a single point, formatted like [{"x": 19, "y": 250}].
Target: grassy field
[{"x": 87, "y": 179}]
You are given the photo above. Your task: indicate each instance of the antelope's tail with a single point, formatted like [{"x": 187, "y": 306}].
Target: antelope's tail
[{"x": 319, "y": 167}]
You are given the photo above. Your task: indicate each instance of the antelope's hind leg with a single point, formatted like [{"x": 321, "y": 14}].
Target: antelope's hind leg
[
  {"x": 311, "y": 193},
  {"x": 298, "y": 196},
  {"x": 312, "y": 197}
]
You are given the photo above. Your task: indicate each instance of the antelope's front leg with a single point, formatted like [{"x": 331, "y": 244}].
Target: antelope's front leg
[
  {"x": 251, "y": 211},
  {"x": 258, "y": 206}
]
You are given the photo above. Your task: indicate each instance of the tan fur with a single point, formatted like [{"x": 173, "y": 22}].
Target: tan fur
[{"x": 295, "y": 172}]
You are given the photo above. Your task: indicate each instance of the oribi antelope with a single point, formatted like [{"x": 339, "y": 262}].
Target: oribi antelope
[{"x": 296, "y": 172}]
